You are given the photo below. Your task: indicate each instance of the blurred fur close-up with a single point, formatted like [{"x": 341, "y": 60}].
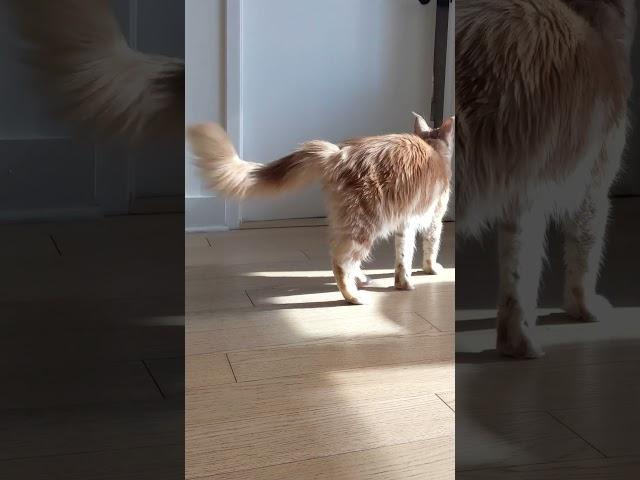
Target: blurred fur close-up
[
  {"x": 547, "y": 201},
  {"x": 84, "y": 61},
  {"x": 92, "y": 239},
  {"x": 542, "y": 91}
]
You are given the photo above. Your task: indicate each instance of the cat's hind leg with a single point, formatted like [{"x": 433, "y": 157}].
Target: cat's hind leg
[
  {"x": 585, "y": 232},
  {"x": 361, "y": 279},
  {"x": 348, "y": 254},
  {"x": 405, "y": 240},
  {"x": 584, "y": 242},
  {"x": 431, "y": 236},
  {"x": 521, "y": 248}
]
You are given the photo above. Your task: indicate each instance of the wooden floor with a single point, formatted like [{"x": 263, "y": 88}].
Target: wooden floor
[
  {"x": 572, "y": 414},
  {"x": 286, "y": 381},
  {"x": 92, "y": 349}
]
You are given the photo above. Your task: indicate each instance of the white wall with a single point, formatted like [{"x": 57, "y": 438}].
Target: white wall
[
  {"x": 205, "y": 99},
  {"x": 330, "y": 69}
]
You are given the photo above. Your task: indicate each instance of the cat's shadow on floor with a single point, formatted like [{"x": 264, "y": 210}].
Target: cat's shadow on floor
[{"x": 319, "y": 286}]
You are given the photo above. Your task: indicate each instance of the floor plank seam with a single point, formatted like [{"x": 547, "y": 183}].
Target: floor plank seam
[
  {"x": 164, "y": 397},
  {"x": 373, "y": 339},
  {"x": 249, "y": 297},
  {"x": 600, "y": 452},
  {"x": 316, "y": 410},
  {"x": 346, "y": 370},
  {"x": 433, "y": 325},
  {"x": 305, "y": 254},
  {"x": 309, "y": 375},
  {"x": 442, "y": 400},
  {"x": 55, "y": 245},
  {"x": 231, "y": 367},
  {"x": 319, "y": 342}
]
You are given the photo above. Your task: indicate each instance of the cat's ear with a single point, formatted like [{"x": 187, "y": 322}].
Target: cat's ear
[
  {"x": 420, "y": 126},
  {"x": 447, "y": 130}
]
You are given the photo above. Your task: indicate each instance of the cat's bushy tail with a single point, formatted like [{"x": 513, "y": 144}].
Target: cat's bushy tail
[
  {"x": 82, "y": 56},
  {"x": 226, "y": 172}
]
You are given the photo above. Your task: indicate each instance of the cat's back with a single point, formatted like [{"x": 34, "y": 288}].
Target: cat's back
[
  {"x": 390, "y": 158},
  {"x": 395, "y": 170},
  {"x": 525, "y": 67},
  {"x": 536, "y": 82},
  {"x": 401, "y": 147}
]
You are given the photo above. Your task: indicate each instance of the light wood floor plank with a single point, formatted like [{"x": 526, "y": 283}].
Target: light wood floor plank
[
  {"x": 202, "y": 296},
  {"x": 317, "y": 358},
  {"x": 380, "y": 293},
  {"x": 432, "y": 459},
  {"x": 272, "y": 440},
  {"x": 287, "y": 327},
  {"x": 449, "y": 398},
  {"x": 206, "y": 370},
  {"x": 238, "y": 252},
  {"x": 306, "y": 393}
]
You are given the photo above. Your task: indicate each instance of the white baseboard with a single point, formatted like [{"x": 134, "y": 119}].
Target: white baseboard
[
  {"x": 214, "y": 228},
  {"x": 205, "y": 214}
]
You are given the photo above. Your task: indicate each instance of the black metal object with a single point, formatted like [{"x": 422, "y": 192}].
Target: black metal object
[{"x": 440, "y": 60}]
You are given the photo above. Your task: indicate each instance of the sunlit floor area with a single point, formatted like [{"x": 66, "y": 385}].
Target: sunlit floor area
[
  {"x": 287, "y": 381},
  {"x": 572, "y": 414}
]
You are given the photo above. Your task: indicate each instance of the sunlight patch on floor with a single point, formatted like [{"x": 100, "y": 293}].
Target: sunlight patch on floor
[
  {"x": 448, "y": 275},
  {"x": 412, "y": 387},
  {"x": 341, "y": 327}
]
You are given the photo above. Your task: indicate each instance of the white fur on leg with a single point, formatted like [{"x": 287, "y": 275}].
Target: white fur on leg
[
  {"x": 361, "y": 278},
  {"x": 521, "y": 253},
  {"x": 405, "y": 244},
  {"x": 585, "y": 233},
  {"x": 347, "y": 279},
  {"x": 584, "y": 242},
  {"x": 431, "y": 240}
]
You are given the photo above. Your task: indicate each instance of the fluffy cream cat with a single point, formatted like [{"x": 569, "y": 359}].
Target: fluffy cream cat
[
  {"x": 374, "y": 186},
  {"x": 541, "y": 89}
]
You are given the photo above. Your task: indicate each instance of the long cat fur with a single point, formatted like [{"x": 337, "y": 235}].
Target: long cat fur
[
  {"x": 82, "y": 57},
  {"x": 541, "y": 90},
  {"x": 374, "y": 186}
]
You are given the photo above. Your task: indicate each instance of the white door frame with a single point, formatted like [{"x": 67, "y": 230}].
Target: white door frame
[
  {"x": 234, "y": 85},
  {"x": 234, "y": 100}
]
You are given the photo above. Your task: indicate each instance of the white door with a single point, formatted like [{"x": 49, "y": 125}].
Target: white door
[
  {"x": 332, "y": 69},
  {"x": 46, "y": 172}
]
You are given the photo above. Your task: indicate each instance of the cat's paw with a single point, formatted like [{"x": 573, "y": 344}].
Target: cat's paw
[
  {"x": 518, "y": 344},
  {"x": 514, "y": 333},
  {"x": 362, "y": 280},
  {"x": 358, "y": 299},
  {"x": 402, "y": 281},
  {"x": 432, "y": 268},
  {"x": 404, "y": 284},
  {"x": 592, "y": 309}
]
